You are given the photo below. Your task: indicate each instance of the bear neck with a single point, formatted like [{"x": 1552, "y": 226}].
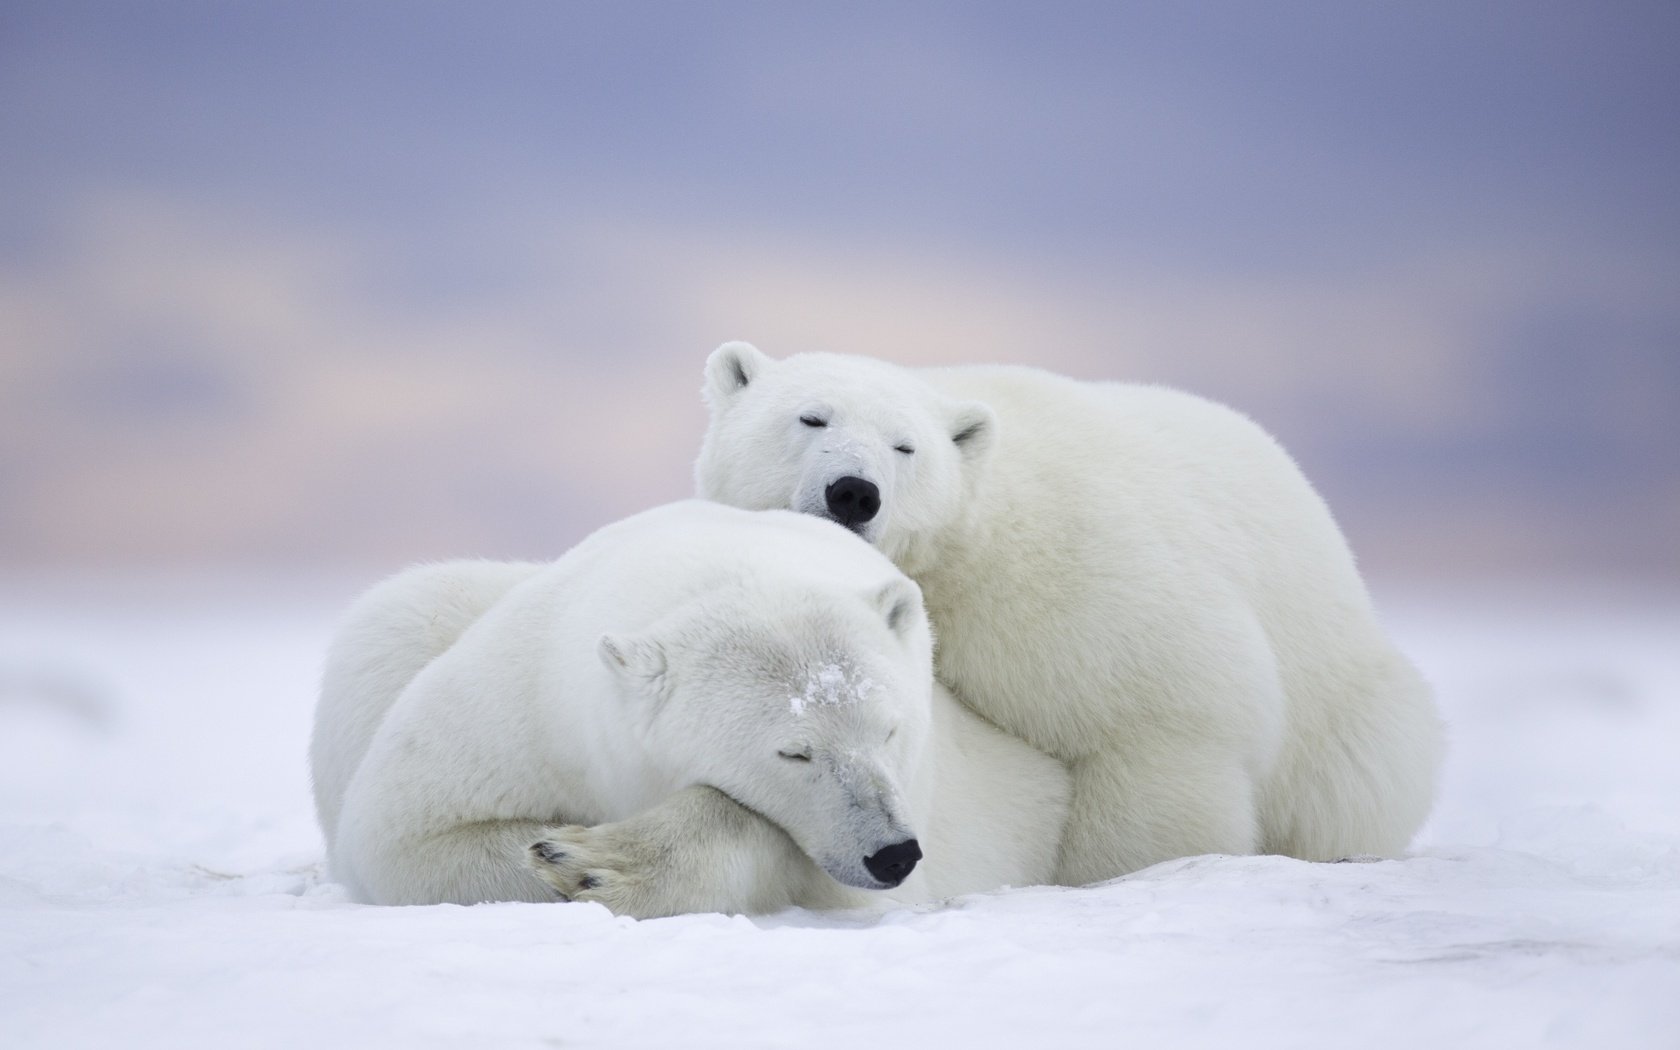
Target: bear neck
[{"x": 957, "y": 548}]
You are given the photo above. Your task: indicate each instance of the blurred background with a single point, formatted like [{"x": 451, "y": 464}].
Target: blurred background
[{"x": 313, "y": 286}]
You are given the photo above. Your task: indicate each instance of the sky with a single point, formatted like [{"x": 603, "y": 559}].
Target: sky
[{"x": 304, "y": 285}]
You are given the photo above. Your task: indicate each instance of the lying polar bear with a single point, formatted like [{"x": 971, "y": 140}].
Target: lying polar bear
[
  {"x": 695, "y": 709},
  {"x": 1132, "y": 579}
]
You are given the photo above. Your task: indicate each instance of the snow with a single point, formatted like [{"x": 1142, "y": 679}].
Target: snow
[
  {"x": 160, "y": 878},
  {"x": 831, "y": 686}
]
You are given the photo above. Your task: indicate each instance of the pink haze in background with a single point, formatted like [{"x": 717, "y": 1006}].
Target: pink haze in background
[{"x": 314, "y": 285}]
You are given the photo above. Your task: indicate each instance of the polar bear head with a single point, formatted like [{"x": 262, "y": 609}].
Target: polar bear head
[
  {"x": 858, "y": 441},
  {"x": 808, "y": 705}
]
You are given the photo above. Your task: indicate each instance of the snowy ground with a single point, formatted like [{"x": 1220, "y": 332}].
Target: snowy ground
[{"x": 160, "y": 880}]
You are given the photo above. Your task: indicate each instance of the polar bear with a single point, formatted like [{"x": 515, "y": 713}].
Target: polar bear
[
  {"x": 696, "y": 709},
  {"x": 1133, "y": 579}
]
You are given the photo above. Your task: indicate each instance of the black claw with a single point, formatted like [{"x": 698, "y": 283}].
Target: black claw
[
  {"x": 549, "y": 852},
  {"x": 588, "y": 882}
]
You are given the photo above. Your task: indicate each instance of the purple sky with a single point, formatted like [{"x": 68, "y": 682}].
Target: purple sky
[{"x": 321, "y": 284}]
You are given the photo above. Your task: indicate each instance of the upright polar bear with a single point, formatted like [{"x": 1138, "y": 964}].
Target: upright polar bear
[
  {"x": 1135, "y": 580},
  {"x": 669, "y": 671}
]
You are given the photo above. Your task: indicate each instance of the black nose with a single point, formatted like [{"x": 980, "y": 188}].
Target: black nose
[
  {"x": 853, "y": 501},
  {"x": 893, "y": 864}
]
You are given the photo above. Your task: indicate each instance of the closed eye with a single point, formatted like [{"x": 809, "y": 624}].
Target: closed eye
[
  {"x": 813, "y": 421},
  {"x": 795, "y": 756},
  {"x": 906, "y": 449}
]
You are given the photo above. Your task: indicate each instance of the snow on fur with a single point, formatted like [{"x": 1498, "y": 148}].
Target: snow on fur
[{"x": 831, "y": 685}]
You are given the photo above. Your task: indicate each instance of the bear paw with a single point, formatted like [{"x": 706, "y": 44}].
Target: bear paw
[{"x": 595, "y": 864}]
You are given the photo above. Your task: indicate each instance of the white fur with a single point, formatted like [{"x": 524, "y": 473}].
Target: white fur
[
  {"x": 1133, "y": 579},
  {"x": 697, "y": 708}
]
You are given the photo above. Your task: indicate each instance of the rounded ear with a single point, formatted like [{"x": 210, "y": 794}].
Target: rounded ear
[
  {"x": 729, "y": 369},
  {"x": 899, "y": 602},
  {"x": 973, "y": 427},
  {"x": 639, "y": 661}
]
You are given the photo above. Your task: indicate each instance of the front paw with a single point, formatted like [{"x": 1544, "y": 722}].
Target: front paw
[{"x": 593, "y": 864}]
